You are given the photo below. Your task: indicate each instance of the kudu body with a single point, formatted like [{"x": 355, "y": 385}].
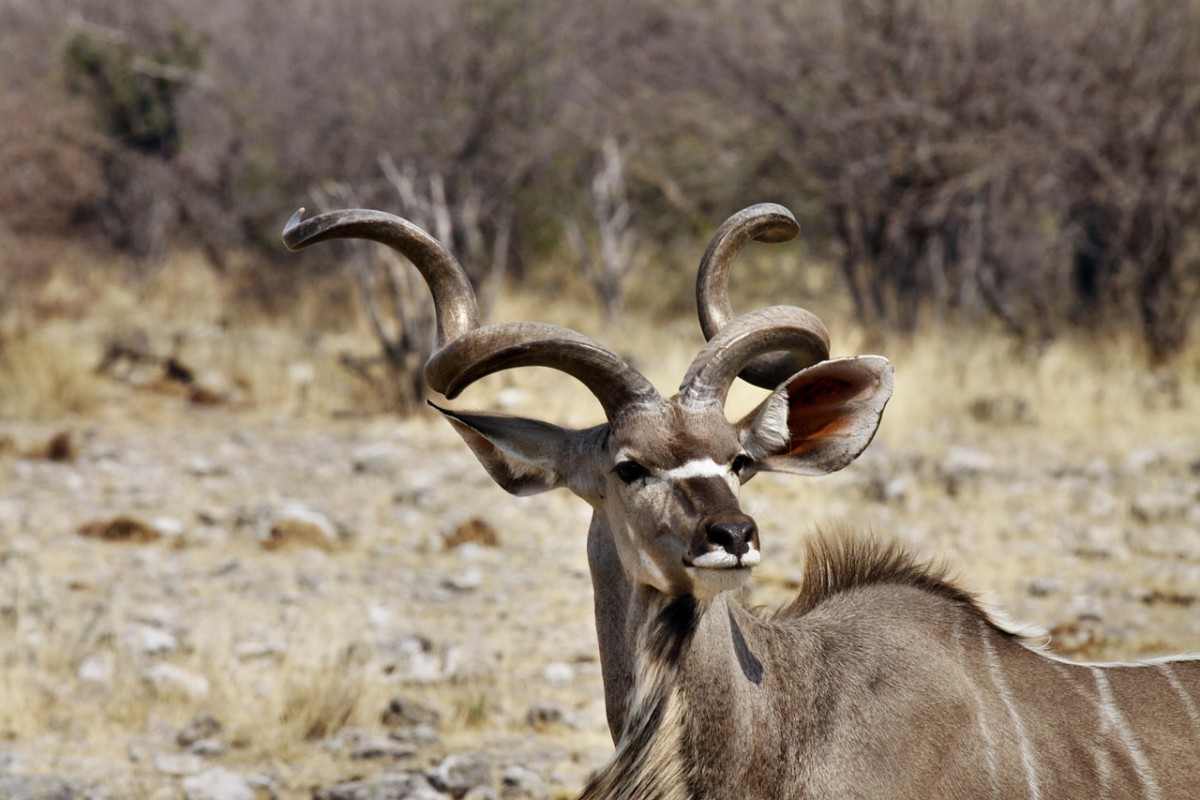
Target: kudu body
[{"x": 882, "y": 679}]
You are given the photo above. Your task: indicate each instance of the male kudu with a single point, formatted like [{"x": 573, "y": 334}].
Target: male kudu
[{"x": 882, "y": 679}]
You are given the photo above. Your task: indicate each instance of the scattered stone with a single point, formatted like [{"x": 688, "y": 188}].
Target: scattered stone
[
  {"x": 406, "y": 786},
  {"x": 203, "y": 726},
  {"x": 511, "y": 397},
  {"x": 520, "y": 783},
  {"x": 382, "y": 748},
  {"x": 460, "y": 773},
  {"x": 466, "y": 581},
  {"x": 120, "y": 529},
  {"x": 58, "y": 447},
  {"x": 412, "y": 659},
  {"x": 404, "y": 712},
  {"x": 544, "y": 715},
  {"x": 1044, "y": 586},
  {"x": 893, "y": 490},
  {"x": 252, "y": 651},
  {"x": 1165, "y": 541},
  {"x": 378, "y": 458},
  {"x": 178, "y": 764},
  {"x": 217, "y": 784},
  {"x": 208, "y": 748},
  {"x": 1160, "y": 506},
  {"x": 170, "y": 680},
  {"x": 37, "y": 787},
  {"x": 169, "y": 528},
  {"x": 481, "y": 793},
  {"x": 962, "y": 463},
  {"x": 1002, "y": 409},
  {"x": 149, "y": 640},
  {"x": 558, "y": 674},
  {"x": 205, "y": 468},
  {"x": 296, "y": 524},
  {"x": 475, "y": 531},
  {"x": 419, "y": 735},
  {"x": 1144, "y": 459},
  {"x": 97, "y": 669}
]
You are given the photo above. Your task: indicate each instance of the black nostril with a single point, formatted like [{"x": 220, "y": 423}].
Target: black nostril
[{"x": 732, "y": 537}]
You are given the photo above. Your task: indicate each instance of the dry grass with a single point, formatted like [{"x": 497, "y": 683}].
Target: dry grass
[{"x": 1074, "y": 402}]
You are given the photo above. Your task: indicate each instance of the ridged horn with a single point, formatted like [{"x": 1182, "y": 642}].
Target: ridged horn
[
  {"x": 532, "y": 344},
  {"x": 765, "y": 222},
  {"x": 466, "y": 352},
  {"x": 454, "y": 302},
  {"x": 796, "y": 332}
]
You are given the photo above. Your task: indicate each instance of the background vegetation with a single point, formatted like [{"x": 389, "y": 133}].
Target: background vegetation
[{"x": 1033, "y": 164}]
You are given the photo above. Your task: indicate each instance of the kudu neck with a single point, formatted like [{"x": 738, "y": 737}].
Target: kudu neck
[{"x": 645, "y": 636}]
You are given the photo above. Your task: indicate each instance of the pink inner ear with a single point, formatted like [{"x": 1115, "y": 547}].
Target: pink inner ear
[{"x": 817, "y": 409}]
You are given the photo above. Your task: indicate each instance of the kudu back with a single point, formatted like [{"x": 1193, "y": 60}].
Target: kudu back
[{"x": 882, "y": 679}]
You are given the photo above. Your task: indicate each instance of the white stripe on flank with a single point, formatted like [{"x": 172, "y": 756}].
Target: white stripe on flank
[
  {"x": 1188, "y": 703},
  {"x": 1027, "y": 760},
  {"x": 981, "y": 715},
  {"x": 1099, "y": 747},
  {"x": 699, "y": 468},
  {"x": 1109, "y": 706}
]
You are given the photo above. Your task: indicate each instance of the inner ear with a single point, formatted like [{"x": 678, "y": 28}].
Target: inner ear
[{"x": 822, "y": 418}]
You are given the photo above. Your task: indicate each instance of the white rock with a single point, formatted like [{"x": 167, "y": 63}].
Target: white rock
[
  {"x": 460, "y": 773},
  {"x": 466, "y": 581},
  {"x": 149, "y": 640},
  {"x": 97, "y": 668},
  {"x": 168, "y": 527},
  {"x": 178, "y": 764},
  {"x": 378, "y": 458},
  {"x": 558, "y": 673},
  {"x": 217, "y": 784},
  {"x": 169, "y": 679}
]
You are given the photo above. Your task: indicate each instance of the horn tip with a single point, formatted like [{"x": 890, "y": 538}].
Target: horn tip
[
  {"x": 291, "y": 238},
  {"x": 783, "y": 228}
]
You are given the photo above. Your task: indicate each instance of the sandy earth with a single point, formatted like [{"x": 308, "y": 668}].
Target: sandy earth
[{"x": 279, "y": 567}]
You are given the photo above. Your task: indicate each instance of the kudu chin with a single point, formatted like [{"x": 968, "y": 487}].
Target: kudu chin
[{"x": 882, "y": 679}]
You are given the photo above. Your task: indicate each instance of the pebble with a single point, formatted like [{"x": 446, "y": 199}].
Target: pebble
[
  {"x": 217, "y": 784},
  {"x": 405, "y": 786},
  {"x": 459, "y": 773},
  {"x": 168, "y": 679}
]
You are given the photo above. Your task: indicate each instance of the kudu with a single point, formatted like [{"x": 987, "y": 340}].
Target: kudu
[{"x": 882, "y": 679}]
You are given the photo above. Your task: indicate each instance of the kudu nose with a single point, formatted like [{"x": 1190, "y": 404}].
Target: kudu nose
[{"x": 732, "y": 536}]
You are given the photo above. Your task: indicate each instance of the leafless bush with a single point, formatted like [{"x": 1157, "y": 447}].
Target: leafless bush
[
  {"x": 606, "y": 252},
  {"x": 1029, "y": 162},
  {"x": 1034, "y": 161}
]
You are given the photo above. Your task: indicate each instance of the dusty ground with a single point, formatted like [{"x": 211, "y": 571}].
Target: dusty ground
[{"x": 247, "y": 587}]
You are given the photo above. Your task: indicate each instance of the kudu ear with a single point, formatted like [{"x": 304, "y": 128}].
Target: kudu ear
[
  {"x": 821, "y": 419},
  {"x": 520, "y": 454}
]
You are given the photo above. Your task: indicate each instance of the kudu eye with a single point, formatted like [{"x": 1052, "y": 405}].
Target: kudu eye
[
  {"x": 740, "y": 463},
  {"x": 631, "y": 471}
]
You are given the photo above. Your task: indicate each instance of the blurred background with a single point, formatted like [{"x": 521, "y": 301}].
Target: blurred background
[
  {"x": 236, "y": 546},
  {"x": 1034, "y": 167}
]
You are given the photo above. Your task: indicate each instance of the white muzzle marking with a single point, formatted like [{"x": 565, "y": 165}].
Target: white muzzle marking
[{"x": 721, "y": 559}]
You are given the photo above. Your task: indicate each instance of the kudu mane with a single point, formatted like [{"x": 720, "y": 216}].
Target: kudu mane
[{"x": 843, "y": 560}]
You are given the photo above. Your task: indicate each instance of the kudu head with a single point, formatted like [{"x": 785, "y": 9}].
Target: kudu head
[{"x": 662, "y": 474}]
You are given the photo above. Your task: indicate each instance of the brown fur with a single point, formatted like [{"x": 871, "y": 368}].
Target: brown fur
[{"x": 844, "y": 560}]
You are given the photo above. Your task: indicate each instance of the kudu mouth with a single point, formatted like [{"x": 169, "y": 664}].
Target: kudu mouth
[{"x": 726, "y": 542}]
